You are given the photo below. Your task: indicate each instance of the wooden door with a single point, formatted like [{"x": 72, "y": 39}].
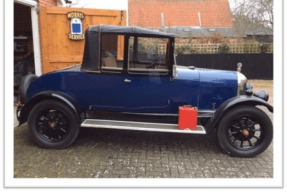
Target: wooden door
[{"x": 57, "y": 50}]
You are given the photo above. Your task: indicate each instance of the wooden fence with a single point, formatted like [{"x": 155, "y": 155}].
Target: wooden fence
[
  {"x": 57, "y": 49},
  {"x": 255, "y": 66}
]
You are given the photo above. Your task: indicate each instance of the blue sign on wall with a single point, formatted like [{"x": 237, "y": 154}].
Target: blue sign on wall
[{"x": 76, "y": 26}]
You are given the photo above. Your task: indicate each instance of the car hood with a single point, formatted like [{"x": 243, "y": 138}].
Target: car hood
[
  {"x": 214, "y": 86},
  {"x": 204, "y": 75}
]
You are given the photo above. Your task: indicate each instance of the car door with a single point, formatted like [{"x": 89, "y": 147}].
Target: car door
[
  {"x": 103, "y": 92},
  {"x": 157, "y": 93},
  {"x": 149, "y": 87},
  {"x": 146, "y": 93}
]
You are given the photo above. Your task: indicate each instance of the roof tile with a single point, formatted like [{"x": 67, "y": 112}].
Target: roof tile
[{"x": 213, "y": 13}]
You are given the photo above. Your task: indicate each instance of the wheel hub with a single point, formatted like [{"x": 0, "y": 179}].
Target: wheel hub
[
  {"x": 52, "y": 125},
  {"x": 245, "y": 132}
]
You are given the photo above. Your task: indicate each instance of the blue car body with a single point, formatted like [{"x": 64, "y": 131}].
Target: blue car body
[{"x": 201, "y": 88}]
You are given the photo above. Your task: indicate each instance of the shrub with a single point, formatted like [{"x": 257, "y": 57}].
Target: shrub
[
  {"x": 223, "y": 48},
  {"x": 263, "y": 48},
  {"x": 184, "y": 49}
]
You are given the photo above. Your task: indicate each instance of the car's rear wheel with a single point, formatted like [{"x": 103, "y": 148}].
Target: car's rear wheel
[
  {"x": 53, "y": 124},
  {"x": 245, "y": 131}
]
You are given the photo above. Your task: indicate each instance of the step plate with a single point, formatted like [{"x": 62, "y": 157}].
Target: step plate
[{"x": 139, "y": 126}]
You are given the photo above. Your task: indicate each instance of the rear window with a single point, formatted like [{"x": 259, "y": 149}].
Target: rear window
[{"x": 112, "y": 52}]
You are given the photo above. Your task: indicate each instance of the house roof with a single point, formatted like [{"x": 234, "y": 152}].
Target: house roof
[
  {"x": 238, "y": 31},
  {"x": 186, "y": 31},
  {"x": 246, "y": 28},
  {"x": 170, "y": 13}
]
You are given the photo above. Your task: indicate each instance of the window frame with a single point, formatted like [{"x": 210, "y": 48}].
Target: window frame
[
  {"x": 114, "y": 70},
  {"x": 148, "y": 71}
]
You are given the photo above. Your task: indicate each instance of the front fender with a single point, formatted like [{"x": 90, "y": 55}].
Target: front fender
[
  {"x": 24, "y": 111},
  {"x": 232, "y": 102}
]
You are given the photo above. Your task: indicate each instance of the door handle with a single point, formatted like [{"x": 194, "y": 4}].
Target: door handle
[{"x": 127, "y": 81}]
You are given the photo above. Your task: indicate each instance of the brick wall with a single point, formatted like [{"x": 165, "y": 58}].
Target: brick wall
[
  {"x": 147, "y": 13},
  {"x": 47, "y": 3}
]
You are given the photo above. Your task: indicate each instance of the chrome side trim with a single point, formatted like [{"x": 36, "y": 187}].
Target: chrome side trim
[
  {"x": 201, "y": 113},
  {"x": 151, "y": 114},
  {"x": 140, "y": 126}
]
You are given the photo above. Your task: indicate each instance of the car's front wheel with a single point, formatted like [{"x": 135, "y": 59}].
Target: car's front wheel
[
  {"x": 245, "y": 131},
  {"x": 53, "y": 124}
]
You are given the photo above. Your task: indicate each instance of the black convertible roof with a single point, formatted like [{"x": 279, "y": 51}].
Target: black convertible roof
[
  {"x": 91, "y": 59},
  {"x": 127, "y": 30}
]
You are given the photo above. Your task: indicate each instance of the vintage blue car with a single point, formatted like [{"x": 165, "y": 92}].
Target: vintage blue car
[{"x": 129, "y": 79}]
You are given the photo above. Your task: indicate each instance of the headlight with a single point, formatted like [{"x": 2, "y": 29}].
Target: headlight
[
  {"x": 249, "y": 89},
  {"x": 262, "y": 95},
  {"x": 242, "y": 80}
]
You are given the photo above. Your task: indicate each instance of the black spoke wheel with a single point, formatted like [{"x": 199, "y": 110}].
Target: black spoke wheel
[
  {"x": 245, "y": 131},
  {"x": 53, "y": 124}
]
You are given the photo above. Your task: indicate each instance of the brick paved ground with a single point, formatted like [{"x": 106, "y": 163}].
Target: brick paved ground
[
  {"x": 100, "y": 153},
  {"x": 109, "y": 153}
]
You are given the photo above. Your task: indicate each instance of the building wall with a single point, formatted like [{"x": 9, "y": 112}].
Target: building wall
[{"x": 147, "y": 13}]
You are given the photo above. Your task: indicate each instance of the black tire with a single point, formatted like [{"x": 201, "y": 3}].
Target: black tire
[
  {"x": 53, "y": 124},
  {"x": 23, "y": 87},
  {"x": 245, "y": 131}
]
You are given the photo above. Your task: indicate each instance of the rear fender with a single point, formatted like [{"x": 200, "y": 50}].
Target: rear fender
[
  {"x": 24, "y": 111},
  {"x": 229, "y": 104}
]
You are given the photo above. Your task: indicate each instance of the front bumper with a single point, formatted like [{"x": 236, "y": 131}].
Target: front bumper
[{"x": 260, "y": 94}]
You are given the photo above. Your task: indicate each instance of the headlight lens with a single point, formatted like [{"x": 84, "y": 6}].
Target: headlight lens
[{"x": 242, "y": 80}]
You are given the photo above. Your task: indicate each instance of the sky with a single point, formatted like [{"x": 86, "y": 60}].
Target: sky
[{"x": 231, "y": 3}]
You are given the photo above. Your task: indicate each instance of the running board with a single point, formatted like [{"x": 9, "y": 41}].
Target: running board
[{"x": 140, "y": 126}]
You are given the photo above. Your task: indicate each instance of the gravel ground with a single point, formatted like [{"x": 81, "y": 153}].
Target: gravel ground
[{"x": 100, "y": 153}]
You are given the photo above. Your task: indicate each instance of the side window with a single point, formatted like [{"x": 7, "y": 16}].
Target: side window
[
  {"x": 112, "y": 52},
  {"x": 148, "y": 55}
]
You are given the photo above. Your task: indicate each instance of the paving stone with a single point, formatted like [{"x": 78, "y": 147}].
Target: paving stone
[
  {"x": 154, "y": 174},
  {"x": 100, "y": 153}
]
